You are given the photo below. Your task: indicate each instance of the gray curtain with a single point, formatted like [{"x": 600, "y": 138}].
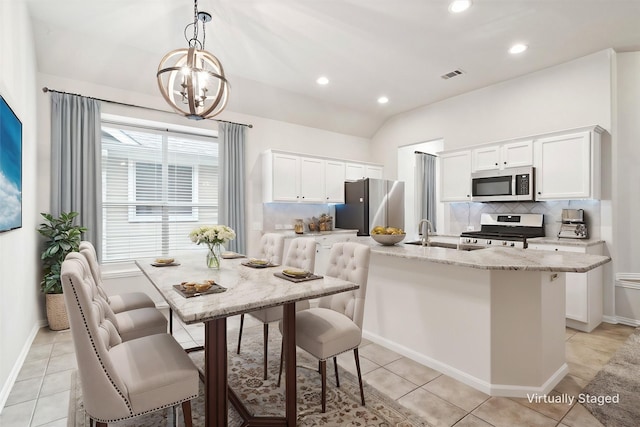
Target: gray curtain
[
  {"x": 426, "y": 187},
  {"x": 231, "y": 206},
  {"x": 75, "y": 162}
]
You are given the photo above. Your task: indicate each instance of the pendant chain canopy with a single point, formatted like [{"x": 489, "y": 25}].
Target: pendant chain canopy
[{"x": 192, "y": 80}]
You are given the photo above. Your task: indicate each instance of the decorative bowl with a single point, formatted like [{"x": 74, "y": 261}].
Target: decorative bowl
[{"x": 388, "y": 239}]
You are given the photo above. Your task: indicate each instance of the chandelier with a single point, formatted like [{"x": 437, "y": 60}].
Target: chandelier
[{"x": 192, "y": 80}]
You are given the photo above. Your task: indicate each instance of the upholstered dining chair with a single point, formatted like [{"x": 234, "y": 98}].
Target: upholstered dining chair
[
  {"x": 130, "y": 324},
  {"x": 122, "y": 379},
  {"x": 301, "y": 254},
  {"x": 335, "y": 326},
  {"x": 120, "y": 302}
]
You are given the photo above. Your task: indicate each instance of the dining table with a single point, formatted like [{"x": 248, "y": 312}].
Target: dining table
[{"x": 239, "y": 288}]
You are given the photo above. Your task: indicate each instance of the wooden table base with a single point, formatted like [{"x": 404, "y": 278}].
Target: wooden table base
[{"x": 217, "y": 391}]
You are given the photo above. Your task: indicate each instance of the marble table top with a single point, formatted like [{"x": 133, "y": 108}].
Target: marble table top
[
  {"x": 248, "y": 289},
  {"x": 496, "y": 258}
]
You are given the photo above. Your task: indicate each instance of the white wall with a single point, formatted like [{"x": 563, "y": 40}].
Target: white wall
[
  {"x": 20, "y": 298},
  {"x": 574, "y": 94},
  {"x": 626, "y": 198},
  {"x": 569, "y": 95},
  {"x": 265, "y": 134},
  {"x": 626, "y": 157}
]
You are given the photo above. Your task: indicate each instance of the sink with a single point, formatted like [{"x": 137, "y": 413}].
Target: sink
[{"x": 445, "y": 245}]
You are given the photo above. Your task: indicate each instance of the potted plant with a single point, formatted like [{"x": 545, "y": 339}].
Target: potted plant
[{"x": 62, "y": 237}]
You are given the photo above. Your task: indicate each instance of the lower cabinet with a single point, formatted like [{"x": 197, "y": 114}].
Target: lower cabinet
[{"x": 584, "y": 290}]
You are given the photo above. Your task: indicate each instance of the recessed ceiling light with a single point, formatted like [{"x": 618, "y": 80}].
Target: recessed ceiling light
[
  {"x": 518, "y": 48},
  {"x": 458, "y": 6},
  {"x": 383, "y": 100},
  {"x": 322, "y": 80}
]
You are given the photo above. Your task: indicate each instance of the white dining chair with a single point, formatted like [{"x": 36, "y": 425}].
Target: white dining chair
[
  {"x": 301, "y": 254},
  {"x": 119, "y": 302},
  {"x": 122, "y": 379},
  {"x": 130, "y": 324},
  {"x": 335, "y": 326}
]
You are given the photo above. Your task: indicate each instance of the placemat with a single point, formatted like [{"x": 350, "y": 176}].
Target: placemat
[
  {"x": 232, "y": 255},
  {"x": 215, "y": 289},
  {"x": 248, "y": 264},
  {"x": 297, "y": 279},
  {"x": 164, "y": 264}
]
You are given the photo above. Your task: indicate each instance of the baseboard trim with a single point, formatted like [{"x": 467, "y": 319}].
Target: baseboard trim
[
  {"x": 502, "y": 390},
  {"x": 17, "y": 366},
  {"x": 628, "y": 321}
]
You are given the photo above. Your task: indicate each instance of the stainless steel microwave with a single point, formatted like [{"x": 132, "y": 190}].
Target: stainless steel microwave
[{"x": 511, "y": 184}]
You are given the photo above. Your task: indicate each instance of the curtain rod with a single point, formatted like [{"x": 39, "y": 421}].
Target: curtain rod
[
  {"x": 421, "y": 152},
  {"x": 46, "y": 89}
]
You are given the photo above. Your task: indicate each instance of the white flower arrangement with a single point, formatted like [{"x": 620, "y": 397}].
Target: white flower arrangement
[{"x": 212, "y": 235}]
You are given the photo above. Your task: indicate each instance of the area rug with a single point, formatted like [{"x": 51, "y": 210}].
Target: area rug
[
  {"x": 613, "y": 396},
  {"x": 265, "y": 398}
]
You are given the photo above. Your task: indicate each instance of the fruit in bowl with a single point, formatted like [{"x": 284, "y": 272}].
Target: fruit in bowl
[{"x": 387, "y": 236}]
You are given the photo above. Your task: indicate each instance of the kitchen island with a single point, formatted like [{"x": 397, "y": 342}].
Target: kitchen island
[{"x": 492, "y": 318}]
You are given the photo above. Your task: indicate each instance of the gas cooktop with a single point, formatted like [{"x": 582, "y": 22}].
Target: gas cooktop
[{"x": 510, "y": 230}]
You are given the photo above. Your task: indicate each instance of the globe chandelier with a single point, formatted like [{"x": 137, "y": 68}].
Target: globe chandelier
[{"x": 192, "y": 80}]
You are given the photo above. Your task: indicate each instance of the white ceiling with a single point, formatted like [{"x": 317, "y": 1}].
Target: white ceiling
[{"x": 273, "y": 50}]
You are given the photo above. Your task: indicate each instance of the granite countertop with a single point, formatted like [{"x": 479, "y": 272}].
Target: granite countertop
[
  {"x": 291, "y": 233},
  {"x": 565, "y": 242},
  {"x": 248, "y": 289},
  {"x": 494, "y": 258}
]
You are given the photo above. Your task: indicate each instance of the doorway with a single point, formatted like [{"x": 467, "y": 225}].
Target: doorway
[{"x": 407, "y": 173}]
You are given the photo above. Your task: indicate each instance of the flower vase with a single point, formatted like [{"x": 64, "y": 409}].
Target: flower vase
[{"x": 213, "y": 256}]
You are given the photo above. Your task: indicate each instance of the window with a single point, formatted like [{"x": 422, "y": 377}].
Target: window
[{"x": 157, "y": 186}]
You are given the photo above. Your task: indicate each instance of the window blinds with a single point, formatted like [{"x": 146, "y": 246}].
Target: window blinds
[{"x": 156, "y": 187}]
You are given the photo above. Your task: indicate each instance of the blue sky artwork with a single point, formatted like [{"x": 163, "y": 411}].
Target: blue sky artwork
[{"x": 10, "y": 169}]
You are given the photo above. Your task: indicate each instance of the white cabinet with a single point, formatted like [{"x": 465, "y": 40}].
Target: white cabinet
[
  {"x": 373, "y": 171},
  {"x": 292, "y": 177},
  {"x": 584, "y": 303},
  {"x": 455, "y": 176},
  {"x": 486, "y": 158},
  {"x": 334, "y": 178},
  {"x": 517, "y": 154},
  {"x": 284, "y": 177},
  {"x": 568, "y": 166},
  {"x": 356, "y": 171},
  {"x": 500, "y": 156},
  {"x": 312, "y": 174}
]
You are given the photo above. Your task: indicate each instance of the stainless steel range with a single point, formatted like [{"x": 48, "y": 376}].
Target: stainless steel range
[{"x": 508, "y": 230}]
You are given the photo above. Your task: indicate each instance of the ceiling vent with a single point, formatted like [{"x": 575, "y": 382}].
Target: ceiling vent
[{"x": 451, "y": 74}]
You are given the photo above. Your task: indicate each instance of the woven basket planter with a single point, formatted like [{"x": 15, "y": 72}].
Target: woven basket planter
[{"x": 56, "y": 312}]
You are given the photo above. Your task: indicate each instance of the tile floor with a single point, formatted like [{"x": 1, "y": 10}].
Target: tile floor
[{"x": 41, "y": 393}]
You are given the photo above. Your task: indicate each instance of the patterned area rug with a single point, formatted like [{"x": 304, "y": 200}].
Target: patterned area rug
[
  {"x": 265, "y": 398},
  {"x": 619, "y": 383}
]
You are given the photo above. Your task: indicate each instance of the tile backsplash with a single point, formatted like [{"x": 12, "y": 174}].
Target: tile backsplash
[
  {"x": 463, "y": 214},
  {"x": 278, "y": 216}
]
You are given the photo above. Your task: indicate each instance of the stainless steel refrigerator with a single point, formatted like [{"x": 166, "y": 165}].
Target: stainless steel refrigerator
[{"x": 371, "y": 202}]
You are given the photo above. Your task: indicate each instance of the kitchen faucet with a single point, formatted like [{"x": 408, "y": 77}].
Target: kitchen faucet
[{"x": 424, "y": 239}]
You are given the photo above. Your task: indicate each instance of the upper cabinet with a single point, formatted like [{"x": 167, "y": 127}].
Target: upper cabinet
[
  {"x": 334, "y": 181},
  {"x": 568, "y": 165},
  {"x": 501, "y": 156},
  {"x": 356, "y": 171},
  {"x": 455, "y": 176},
  {"x": 291, "y": 177}
]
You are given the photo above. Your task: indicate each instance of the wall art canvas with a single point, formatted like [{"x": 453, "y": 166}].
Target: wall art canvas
[{"x": 10, "y": 168}]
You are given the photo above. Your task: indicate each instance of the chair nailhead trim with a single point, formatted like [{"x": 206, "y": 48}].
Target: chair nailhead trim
[{"x": 93, "y": 345}]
